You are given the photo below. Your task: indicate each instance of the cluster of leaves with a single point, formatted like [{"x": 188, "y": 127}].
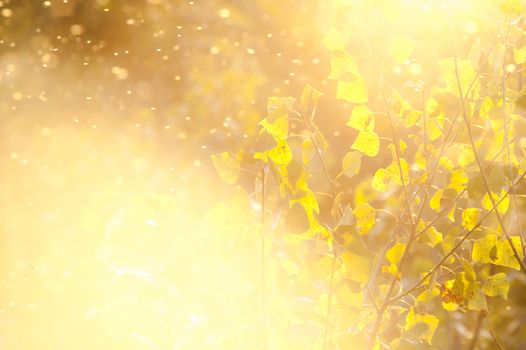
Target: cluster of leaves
[{"x": 384, "y": 257}]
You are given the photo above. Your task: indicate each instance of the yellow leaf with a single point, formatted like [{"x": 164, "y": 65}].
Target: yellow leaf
[
  {"x": 465, "y": 156},
  {"x": 395, "y": 253},
  {"x": 505, "y": 255},
  {"x": 367, "y": 142},
  {"x": 357, "y": 267},
  {"x": 362, "y": 118},
  {"x": 434, "y": 126},
  {"x": 497, "y": 284},
  {"x": 346, "y": 295},
  {"x": 401, "y": 48},
  {"x": 351, "y": 163},
  {"x": 352, "y": 91},
  {"x": 482, "y": 249},
  {"x": 279, "y": 129},
  {"x": 511, "y": 6},
  {"x": 426, "y": 296},
  {"x": 281, "y": 154},
  {"x": 379, "y": 180},
  {"x": 430, "y": 321},
  {"x": 466, "y": 73},
  {"x": 470, "y": 218},
  {"x": 310, "y": 97},
  {"x": 474, "y": 296},
  {"x": 394, "y": 171},
  {"x": 458, "y": 180},
  {"x": 318, "y": 268},
  {"x": 334, "y": 40},
  {"x": 227, "y": 166},
  {"x": 487, "y": 103},
  {"x": 502, "y": 207},
  {"x": 434, "y": 202},
  {"x": 432, "y": 237},
  {"x": 365, "y": 218},
  {"x": 343, "y": 67}
]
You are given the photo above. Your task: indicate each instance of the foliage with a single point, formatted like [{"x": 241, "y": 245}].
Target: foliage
[{"x": 416, "y": 230}]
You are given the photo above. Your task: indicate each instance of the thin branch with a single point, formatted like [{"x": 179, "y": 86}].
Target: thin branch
[
  {"x": 263, "y": 261},
  {"x": 481, "y": 169},
  {"x": 476, "y": 331},
  {"x": 459, "y": 243}
]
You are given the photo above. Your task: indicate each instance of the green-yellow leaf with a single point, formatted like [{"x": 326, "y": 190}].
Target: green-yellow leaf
[
  {"x": 502, "y": 207},
  {"x": 347, "y": 295},
  {"x": 279, "y": 129},
  {"x": 505, "y": 255},
  {"x": 343, "y": 67},
  {"x": 466, "y": 73},
  {"x": 365, "y": 218},
  {"x": 362, "y": 118},
  {"x": 496, "y": 284},
  {"x": 227, "y": 166},
  {"x": 474, "y": 296},
  {"x": 357, "y": 266},
  {"x": 430, "y": 321},
  {"x": 482, "y": 249},
  {"x": 401, "y": 48},
  {"x": 352, "y": 91},
  {"x": 367, "y": 142},
  {"x": 431, "y": 237},
  {"x": 351, "y": 163},
  {"x": 470, "y": 218}
]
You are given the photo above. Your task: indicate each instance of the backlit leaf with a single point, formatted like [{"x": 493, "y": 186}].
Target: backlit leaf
[
  {"x": 429, "y": 321},
  {"x": 367, "y": 142},
  {"x": 395, "y": 253},
  {"x": 466, "y": 73},
  {"x": 482, "y": 249},
  {"x": 352, "y": 91},
  {"x": 227, "y": 166},
  {"x": 334, "y": 40},
  {"x": 279, "y": 129},
  {"x": 401, "y": 48},
  {"x": 362, "y": 118},
  {"x": 470, "y": 217},
  {"x": 474, "y": 296},
  {"x": 502, "y": 207},
  {"x": 281, "y": 154},
  {"x": 505, "y": 255},
  {"x": 519, "y": 54},
  {"x": 343, "y": 67},
  {"x": 365, "y": 218},
  {"x": 379, "y": 182},
  {"x": 434, "y": 202},
  {"x": 357, "y": 266},
  {"x": 351, "y": 163},
  {"x": 496, "y": 285}
]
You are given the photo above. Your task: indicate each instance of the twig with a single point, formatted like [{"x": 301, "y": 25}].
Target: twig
[
  {"x": 476, "y": 331},
  {"x": 263, "y": 261},
  {"x": 481, "y": 169}
]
